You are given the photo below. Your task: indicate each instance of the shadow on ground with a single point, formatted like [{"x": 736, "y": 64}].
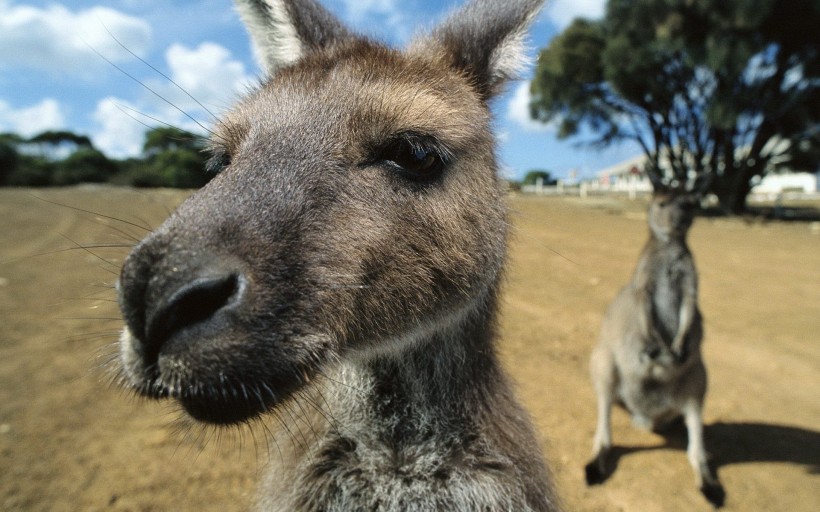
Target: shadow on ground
[{"x": 739, "y": 443}]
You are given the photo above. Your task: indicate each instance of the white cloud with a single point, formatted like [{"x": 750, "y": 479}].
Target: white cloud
[
  {"x": 119, "y": 134},
  {"x": 562, "y": 12},
  {"x": 28, "y": 121},
  {"x": 207, "y": 73},
  {"x": 518, "y": 110},
  {"x": 57, "y": 39}
]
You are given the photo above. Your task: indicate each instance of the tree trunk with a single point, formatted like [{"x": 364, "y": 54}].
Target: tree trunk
[
  {"x": 732, "y": 190},
  {"x": 736, "y": 201}
]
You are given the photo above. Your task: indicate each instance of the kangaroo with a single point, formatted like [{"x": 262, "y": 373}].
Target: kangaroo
[
  {"x": 648, "y": 358},
  {"x": 343, "y": 267}
]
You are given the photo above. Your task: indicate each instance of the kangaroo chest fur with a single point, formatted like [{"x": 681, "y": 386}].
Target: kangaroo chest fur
[
  {"x": 407, "y": 434},
  {"x": 667, "y": 285}
]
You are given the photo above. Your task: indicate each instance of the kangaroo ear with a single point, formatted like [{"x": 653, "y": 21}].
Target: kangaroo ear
[
  {"x": 284, "y": 31},
  {"x": 486, "y": 40}
]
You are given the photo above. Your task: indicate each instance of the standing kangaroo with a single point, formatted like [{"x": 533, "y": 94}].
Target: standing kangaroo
[
  {"x": 344, "y": 266},
  {"x": 648, "y": 358}
]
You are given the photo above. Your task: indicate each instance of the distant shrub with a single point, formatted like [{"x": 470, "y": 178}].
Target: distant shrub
[
  {"x": 171, "y": 158},
  {"x": 532, "y": 177},
  {"x": 180, "y": 168},
  {"x": 85, "y": 165},
  {"x": 173, "y": 168},
  {"x": 31, "y": 172},
  {"x": 9, "y": 159}
]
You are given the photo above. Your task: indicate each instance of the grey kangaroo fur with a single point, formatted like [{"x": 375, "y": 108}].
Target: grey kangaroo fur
[
  {"x": 342, "y": 270},
  {"x": 648, "y": 358}
]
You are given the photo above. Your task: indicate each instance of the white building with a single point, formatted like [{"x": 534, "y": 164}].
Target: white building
[
  {"x": 629, "y": 176},
  {"x": 626, "y": 176},
  {"x": 798, "y": 182}
]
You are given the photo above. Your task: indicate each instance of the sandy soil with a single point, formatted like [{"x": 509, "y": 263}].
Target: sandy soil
[{"x": 70, "y": 439}]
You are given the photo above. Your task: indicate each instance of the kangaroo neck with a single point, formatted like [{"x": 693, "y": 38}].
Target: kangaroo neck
[
  {"x": 658, "y": 255},
  {"x": 435, "y": 384}
]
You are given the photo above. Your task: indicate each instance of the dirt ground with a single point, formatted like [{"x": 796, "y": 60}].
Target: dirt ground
[{"x": 71, "y": 439}]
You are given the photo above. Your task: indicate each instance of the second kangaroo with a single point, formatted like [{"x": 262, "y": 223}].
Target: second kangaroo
[{"x": 648, "y": 358}]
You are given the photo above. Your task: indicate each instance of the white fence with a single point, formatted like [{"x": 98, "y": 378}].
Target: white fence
[{"x": 774, "y": 186}]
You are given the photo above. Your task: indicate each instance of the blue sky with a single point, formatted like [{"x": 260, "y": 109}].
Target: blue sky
[{"x": 51, "y": 77}]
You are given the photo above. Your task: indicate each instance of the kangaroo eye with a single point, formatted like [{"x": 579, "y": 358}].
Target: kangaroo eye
[{"x": 415, "y": 157}]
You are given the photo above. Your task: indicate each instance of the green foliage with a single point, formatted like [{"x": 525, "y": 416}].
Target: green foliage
[
  {"x": 61, "y": 137},
  {"x": 569, "y": 79},
  {"x": 531, "y": 178},
  {"x": 9, "y": 160},
  {"x": 713, "y": 90},
  {"x": 171, "y": 158},
  {"x": 179, "y": 168},
  {"x": 168, "y": 138},
  {"x": 11, "y": 138},
  {"x": 86, "y": 165},
  {"x": 32, "y": 172},
  {"x": 54, "y": 145}
]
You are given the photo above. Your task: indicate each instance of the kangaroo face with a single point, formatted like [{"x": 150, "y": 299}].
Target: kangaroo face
[
  {"x": 356, "y": 203},
  {"x": 671, "y": 215}
]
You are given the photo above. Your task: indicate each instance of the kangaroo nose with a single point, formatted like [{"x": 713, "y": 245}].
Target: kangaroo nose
[{"x": 192, "y": 303}]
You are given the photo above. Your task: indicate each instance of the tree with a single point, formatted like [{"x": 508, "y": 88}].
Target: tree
[
  {"x": 54, "y": 145},
  {"x": 173, "y": 158},
  {"x": 170, "y": 138},
  {"x": 532, "y": 177},
  {"x": 9, "y": 156},
  {"x": 85, "y": 165},
  {"x": 720, "y": 91},
  {"x": 48, "y": 158},
  {"x": 18, "y": 168},
  {"x": 180, "y": 168}
]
